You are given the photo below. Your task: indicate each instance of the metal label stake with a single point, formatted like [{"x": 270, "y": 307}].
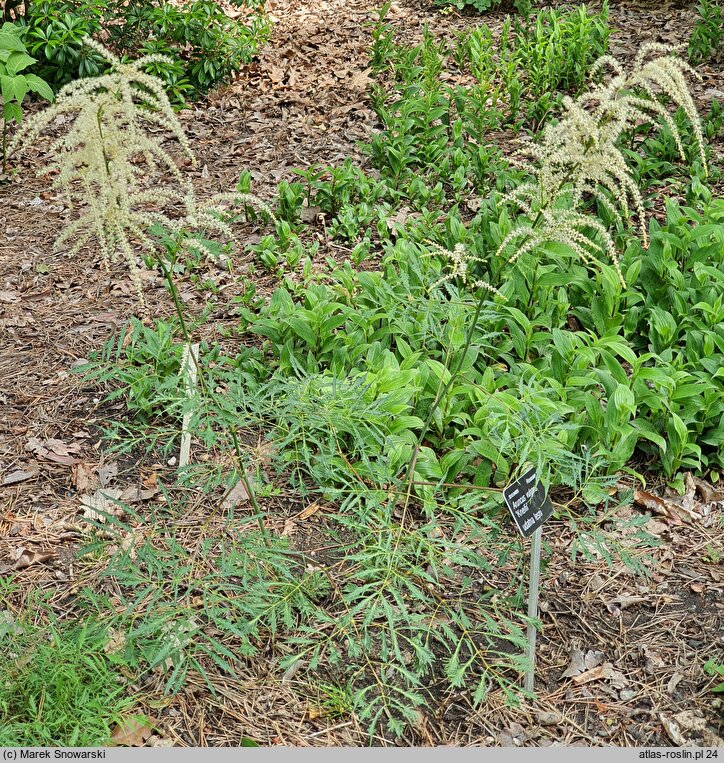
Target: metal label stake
[
  {"x": 529, "y": 505},
  {"x": 533, "y": 606}
]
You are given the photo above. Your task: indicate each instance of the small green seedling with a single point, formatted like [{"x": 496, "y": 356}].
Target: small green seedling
[{"x": 713, "y": 668}]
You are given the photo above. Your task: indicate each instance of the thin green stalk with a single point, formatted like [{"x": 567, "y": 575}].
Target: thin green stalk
[
  {"x": 176, "y": 297},
  {"x": 5, "y": 144},
  {"x": 247, "y": 486}
]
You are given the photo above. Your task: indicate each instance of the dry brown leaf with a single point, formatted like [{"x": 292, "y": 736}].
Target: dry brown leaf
[
  {"x": 53, "y": 450},
  {"x": 150, "y": 480},
  {"x": 307, "y": 511},
  {"x": 672, "y": 730},
  {"x": 518, "y": 733},
  {"x": 614, "y": 606},
  {"x": 313, "y": 712},
  {"x": 603, "y": 673},
  {"x": 593, "y": 658},
  {"x": 24, "y": 557},
  {"x": 547, "y": 718},
  {"x": 708, "y": 493},
  {"x": 399, "y": 218},
  {"x": 654, "y": 527},
  {"x": 8, "y": 297},
  {"x": 576, "y": 665},
  {"x": 157, "y": 741},
  {"x": 107, "y": 473},
  {"x": 17, "y": 476},
  {"x": 595, "y": 674},
  {"x": 60, "y": 459},
  {"x": 135, "y": 493},
  {"x": 674, "y": 681},
  {"x": 310, "y": 215},
  {"x": 128, "y": 336},
  {"x": 675, "y": 514},
  {"x": 116, "y": 641},
  {"x": 276, "y": 75},
  {"x": 236, "y": 495},
  {"x": 360, "y": 80},
  {"x": 102, "y": 503},
  {"x": 132, "y": 732},
  {"x": 653, "y": 660},
  {"x": 83, "y": 476}
]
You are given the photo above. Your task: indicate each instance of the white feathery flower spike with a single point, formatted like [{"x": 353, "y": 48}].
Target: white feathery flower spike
[
  {"x": 578, "y": 157},
  {"x": 103, "y": 161},
  {"x": 460, "y": 259}
]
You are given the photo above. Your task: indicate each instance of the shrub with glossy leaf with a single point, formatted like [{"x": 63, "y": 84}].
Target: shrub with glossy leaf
[
  {"x": 206, "y": 45},
  {"x": 14, "y": 84}
]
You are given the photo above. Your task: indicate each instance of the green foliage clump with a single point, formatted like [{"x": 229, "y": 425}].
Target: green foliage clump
[
  {"x": 58, "y": 687},
  {"x": 14, "y": 85},
  {"x": 707, "y": 38},
  {"x": 433, "y": 134},
  {"x": 54, "y": 31},
  {"x": 481, "y": 6},
  {"x": 205, "y": 47},
  {"x": 555, "y": 50},
  {"x": 409, "y": 393}
]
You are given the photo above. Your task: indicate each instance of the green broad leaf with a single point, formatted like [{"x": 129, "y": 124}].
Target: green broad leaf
[
  {"x": 625, "y": 447},
  {"x": 632, "y": 273},
  {"x": 247, "y": 742},
  {"x": 680, "y": 428},
  {"x": 300, "y": 327},
  {"x": 13, "y": 88},
  {"x": 686, "y": 391},
  {"x": 406, "y": 422},
  {"x": 18, "y": 61},
  {"x": 620, "y": 348},
  {"x": 600, "y": 314},
  {"x": 623, "y": 400},
  {"x": 11, "y": 111},
  {"x": 20, "y": 87},
  {"x": 647, "y": 432},
  {"x": 11, "y": 42},
  {"x": 40, "y": 86},
  {"x": 7, "y": 87}
]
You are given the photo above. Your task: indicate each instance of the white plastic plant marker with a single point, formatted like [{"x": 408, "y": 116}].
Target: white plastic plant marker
[
  {"x": 529, "y": 505},
  {"x": 189, "y": 371}
]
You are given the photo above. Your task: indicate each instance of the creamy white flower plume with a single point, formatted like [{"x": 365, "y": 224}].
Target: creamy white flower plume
[
  {"x": 104, "y": 160},
  {"x": 460, "y": 259},
  {"x": 578, "y": 157}
]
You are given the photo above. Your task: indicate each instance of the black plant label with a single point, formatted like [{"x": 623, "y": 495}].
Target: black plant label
[{"x": 527, "y": 501}]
